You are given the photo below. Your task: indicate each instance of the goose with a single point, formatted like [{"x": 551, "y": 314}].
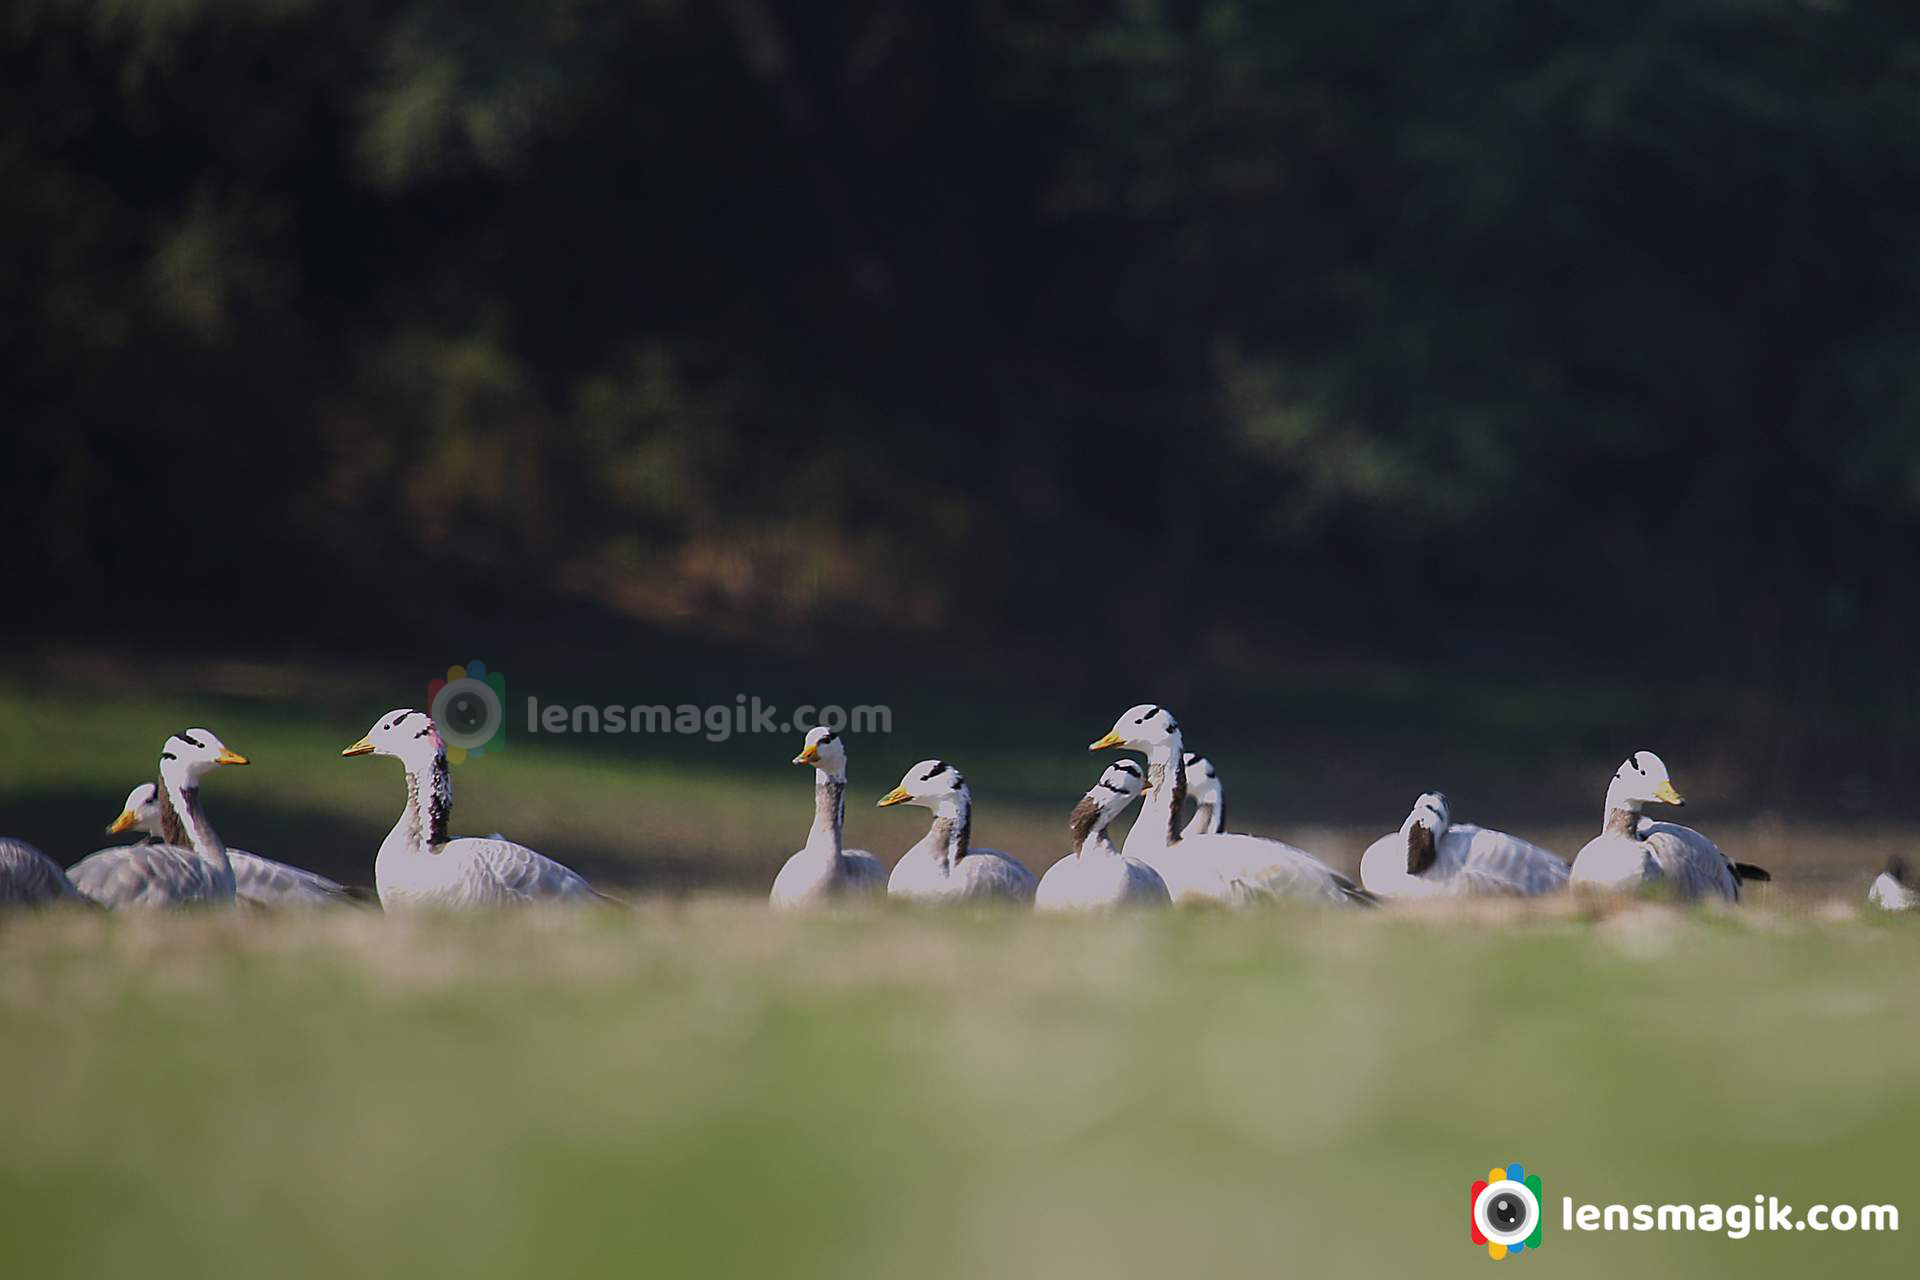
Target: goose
[
  {"x": 29, "y": 878},
  {"x": 1894, "y": 888},
  {"x": 1215, "y": 866},
  {"x": 1096, "y": 876},
  {"x": 190, "y": 869},
  {"x": 1431, "y": 855},
  {"x": 1209, "y": 797},
  {"x": 258, "y": 882},
  {"x": 946, "y": 866},
  {"x": 420, "y": 866},
  {"x": 1633, "y": 852},
  {"x": 824, "y": 870}
]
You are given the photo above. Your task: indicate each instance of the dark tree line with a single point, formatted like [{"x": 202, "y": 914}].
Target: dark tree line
[{"x": 1398, "y": 323}]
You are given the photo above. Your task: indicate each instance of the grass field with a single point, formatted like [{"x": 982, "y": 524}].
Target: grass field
[
  {"x": 693, "y": 1086},
  {"x": 702, "y": 1089}
]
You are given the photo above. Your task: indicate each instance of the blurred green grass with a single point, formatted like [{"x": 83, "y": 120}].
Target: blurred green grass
[{"x": 708, "y": 1089}]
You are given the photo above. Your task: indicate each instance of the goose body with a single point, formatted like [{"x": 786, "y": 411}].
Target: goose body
[
  {"x": 194, "y": 869},
  {"x": 1096, "y": 876},
  {"x": 29, "y": 878},
  {"x": 945, "y": 866},
  {"x": 1633, "y": 853},
  {"x": 825, "y": 871},
  {"x": 419, "y": 866},
  {"x": 259, "y": 883},
  {"x": 1218, "y": 867},
  {"x": 1893, "y": 890},
  {"x": 1432, "y": 856}
]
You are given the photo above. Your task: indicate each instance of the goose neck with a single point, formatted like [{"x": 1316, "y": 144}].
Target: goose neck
[
  {"x": 184, "y": 822},
  {"x": 952, "y": 829},
  {"x": 1166, "y": 791},
  {"x": 1622, "y": 819},
  {"x": 423, "y": 824},
  {"x": 829, "y": 813}
]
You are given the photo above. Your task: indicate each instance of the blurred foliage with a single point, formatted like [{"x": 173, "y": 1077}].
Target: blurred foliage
[{"x": 1473, "y": 324}]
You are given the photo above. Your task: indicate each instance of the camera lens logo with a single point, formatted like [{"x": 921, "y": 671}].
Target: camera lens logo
[
  {"x": 1506, "y": 1211},
  {"x": 469, "y": 709}
]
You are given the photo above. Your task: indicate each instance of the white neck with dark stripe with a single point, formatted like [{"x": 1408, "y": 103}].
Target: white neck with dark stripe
[
  {"x": 184, "y": 821},
  {"x": 423, "y": 824},
  {"x": 952, "y": 829},
  {"x": 1158, "y": 826}
]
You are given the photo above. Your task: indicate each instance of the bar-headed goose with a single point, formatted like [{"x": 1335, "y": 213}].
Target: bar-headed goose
[
  {"x": 189, "y": 870},
  {"x": 945, "y": 866},
  {"x": 420, "y": 866},
  {"x": 258, "y": 882},
  {"x": 1214, "y": 867},
  {"x": 29, "y": 878},
  {"x": 824, "y": 870},
  {"x": 1431, "y": 855},
  {"x": 1096, "y": 876},
  {"x": 1894, "y": 888},
  {"x": 1209, "y": 797},
  {"x": 1633, "y": 853}
]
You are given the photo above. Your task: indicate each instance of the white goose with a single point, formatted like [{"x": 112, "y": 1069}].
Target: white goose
[
  {"x": 172, "y": 874},
  {"x": 1633, "y": 852},
  {"x": 29, "y": 878},
  {"x": 1096, "y": 876},
  {"x": 945, "y": 866},
  {"x": 824, "y": 870},
  {"x": 258, "y": 882},
  {"x": 1894, "y": 888},
  {"x": 1209, "y": 797},
  {"x": 1433, "y": 856},
  {"x": 1214, "y": 867},
  {"x": 419, "y": 866}
]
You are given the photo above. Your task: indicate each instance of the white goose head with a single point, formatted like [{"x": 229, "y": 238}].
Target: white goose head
[
  {"x": 931, "y": 784},
  {"x": 1640, "y": 781},
  {"x": 405, "y": 734},
  {"x": 1117, "y": 788},
  {"x": 824, "y": 750},
  {"x": 1147, "y": 727},
  {"x": 140, "y": 813},
  {"x": 192, "y": 754},
  {"x": 1423, "y": 828}
]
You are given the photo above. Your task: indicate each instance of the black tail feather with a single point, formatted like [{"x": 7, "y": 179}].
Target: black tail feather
[
  {"x": 1747, "y": 871},
  {"x": 1897, "y": 868}
]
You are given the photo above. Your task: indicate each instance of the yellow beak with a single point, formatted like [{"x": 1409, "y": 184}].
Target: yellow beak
[
  {"x": 809, "y": 754},
  {"x": 896, "y": 796},
  {"x": 229, "y": 756},
  {"x": 1665, "y": 794},
  {"x": 360, "y": 748},
  {"x": 126, "y": 819},
  {"x": 1111, "y": 740}
]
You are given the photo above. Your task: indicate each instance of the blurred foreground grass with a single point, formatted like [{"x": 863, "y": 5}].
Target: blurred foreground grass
[{"x": 705, "y": 1089}]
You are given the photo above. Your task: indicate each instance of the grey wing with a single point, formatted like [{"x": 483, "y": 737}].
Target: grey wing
[
  {"x": 866, "y": 874},
  {"x": 520, "y": 873},
  {"x": 993, "y": 874},
  {"x": 28, "y": 876},
  {"x": 262, "y": 882},
  {"x": 145, "y": 875},
  {"x": 1690, "y": 862},
  {"x": 1498, "y": 863}
]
